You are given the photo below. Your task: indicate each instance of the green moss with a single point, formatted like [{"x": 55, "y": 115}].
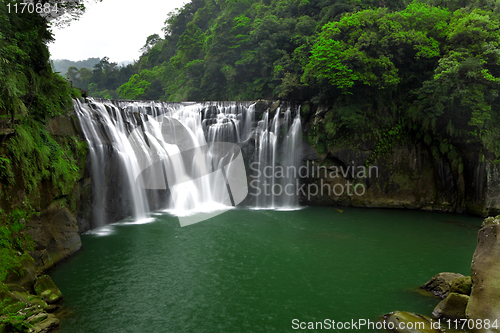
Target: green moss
[
  {"x": 6, "y": 170},
  {"x": 15, "y": 323},
  {"x": 40, "y": 157},
  {"x": 14, "y": 242},
  {"x": 305, "y": 109},
  {"x": 403, "y": 181},
  {"x": 45, "y": 287},
  {"x": 461, "y": 285}
]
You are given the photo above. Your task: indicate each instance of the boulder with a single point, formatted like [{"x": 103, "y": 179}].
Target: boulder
[
  {"x": 484, "y": 300},
  {"x": 440, "y": 284},
  {"x": 452, "y": 307},
  {"x": 408, "y": 322},
  {"x": 44, "y": 323},
  {"x": 45, "y": 287},
  {"x": 461, "y": 285}
]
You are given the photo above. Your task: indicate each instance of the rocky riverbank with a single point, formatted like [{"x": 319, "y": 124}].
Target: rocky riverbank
[{"x": 469, "y": 303}]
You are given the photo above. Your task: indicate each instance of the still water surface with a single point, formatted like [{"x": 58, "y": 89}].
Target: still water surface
[{"x": 257, "y": 270}]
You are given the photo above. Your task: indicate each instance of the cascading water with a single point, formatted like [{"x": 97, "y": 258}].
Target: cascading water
[
  {"x": 278, "y": 161},
  {"x": 182, "y": 157}
]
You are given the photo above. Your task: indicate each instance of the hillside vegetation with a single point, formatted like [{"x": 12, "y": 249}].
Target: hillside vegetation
[
  {"x": 425, "y": 71},
  {"x": 31, "y": 160}
]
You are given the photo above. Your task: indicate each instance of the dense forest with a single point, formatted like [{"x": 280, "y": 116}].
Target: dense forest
[
  {"x": 381, "y": 71},
  {"x": 426, "y": 70}
]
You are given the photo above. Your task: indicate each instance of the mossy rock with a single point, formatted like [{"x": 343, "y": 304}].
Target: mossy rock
[
  {"x": 412, "y": 323},
  {"x": 31, "y": 300},
  {"x": 461, "y": 285},
  {"x": 12, "y": 302},
  {"x": 33, "y": 310},
  {"x": 45, "y": 287},
  {"x": 35, "y": 319},
  {"x": 440, "y": 284},
  {"x": 9, "y": 303},
  {"x": 490, "y": 220},
  {"x": 46, "y": 325},
  {"x": 452, "y": 307},
  {"x": 16, "y": 287}
]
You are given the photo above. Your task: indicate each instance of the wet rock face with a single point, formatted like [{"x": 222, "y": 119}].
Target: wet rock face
[
  {"x": 484, "y": 300},
  {"x": 483, "y": 184},
  {"x": 56, "y": 236},
  {"x": 410, "y": 175},
  {"x": 407, "y": 177}
]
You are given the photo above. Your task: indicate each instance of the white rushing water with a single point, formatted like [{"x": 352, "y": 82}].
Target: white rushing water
[{"x": 139, "y": 149}]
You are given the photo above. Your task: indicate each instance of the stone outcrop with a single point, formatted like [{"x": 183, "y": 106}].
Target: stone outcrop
[
  {"x": 55, "y": 232},
  {"x": 484, "y": 300},
  {"x": 54, "y": 228}
]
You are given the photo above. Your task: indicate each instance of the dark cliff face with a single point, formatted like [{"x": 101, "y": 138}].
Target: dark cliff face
[
  {"x": 409, "y": 175},
  {"x": 53, "y": 205}
]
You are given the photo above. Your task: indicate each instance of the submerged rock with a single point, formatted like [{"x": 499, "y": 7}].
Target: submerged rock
[
  {"x": 452, "y": 307},
  {"x": 45, "y": 287},
  {"x": 408, "y": 322},
  {"x": 440, "y": 284},
  {"x": 484, "y": 300}
]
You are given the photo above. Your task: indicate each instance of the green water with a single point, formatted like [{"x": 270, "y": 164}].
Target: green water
[{"x": 256, "y": 271}]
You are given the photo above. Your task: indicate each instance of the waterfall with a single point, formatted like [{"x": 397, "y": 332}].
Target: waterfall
[
  {"x": 277, "y": 163},
  {"x": 194, "y": 160}
]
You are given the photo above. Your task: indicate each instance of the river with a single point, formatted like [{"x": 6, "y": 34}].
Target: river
[{"x": 258, "y": 270}]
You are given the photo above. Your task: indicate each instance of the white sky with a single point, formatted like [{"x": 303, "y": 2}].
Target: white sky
[{"x": 112, "y": 28}]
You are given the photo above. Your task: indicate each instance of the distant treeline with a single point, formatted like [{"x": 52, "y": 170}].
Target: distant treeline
[
  {"x": 61, "y": 65},
  {"x": 101, "y": 79}
]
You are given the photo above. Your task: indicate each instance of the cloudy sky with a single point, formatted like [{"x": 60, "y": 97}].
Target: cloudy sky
[{"x": 112, "y": 28}]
